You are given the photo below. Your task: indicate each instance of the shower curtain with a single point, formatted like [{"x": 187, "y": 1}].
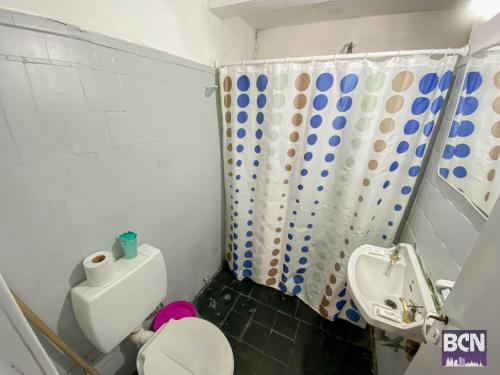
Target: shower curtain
[
  {"x": 470, "y": 156},
  {"x": 319, "y": 158}
]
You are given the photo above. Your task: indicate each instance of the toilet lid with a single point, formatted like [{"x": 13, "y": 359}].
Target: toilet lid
[{"x": 189, "y": 346}]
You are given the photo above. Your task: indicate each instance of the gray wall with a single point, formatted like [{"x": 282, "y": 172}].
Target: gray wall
[
  {"x": 442, "y": 223},
  {"x": 98, "y": 136}
]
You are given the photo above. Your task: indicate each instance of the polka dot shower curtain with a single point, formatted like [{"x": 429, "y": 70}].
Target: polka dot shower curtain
[
  {"x": 319, "y": 158},
  {"x": 471, "y": 155}
]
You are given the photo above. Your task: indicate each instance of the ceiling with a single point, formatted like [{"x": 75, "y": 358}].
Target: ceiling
[{"x": 265, "y": 14}]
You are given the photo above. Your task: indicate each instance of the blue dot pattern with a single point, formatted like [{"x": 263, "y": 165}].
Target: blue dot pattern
[
  {"x": 469, "y": 160},
  {"x": 311, "y": 174},
  {"x": 416, "y": 132},
  {"x": 461, "y": 129}
]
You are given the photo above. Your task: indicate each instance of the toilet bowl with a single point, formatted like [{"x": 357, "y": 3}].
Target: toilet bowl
[
  {"x": 110, "y": 314},
  {"x": 190, "y": 346}
]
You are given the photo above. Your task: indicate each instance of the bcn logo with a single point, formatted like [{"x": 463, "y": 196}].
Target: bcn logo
[
  {"x": 462, "y": 348},
  {"x": 466, "y": 342}
]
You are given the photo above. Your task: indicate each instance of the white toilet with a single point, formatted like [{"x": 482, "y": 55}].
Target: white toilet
[{"x": 109, "y": 314}]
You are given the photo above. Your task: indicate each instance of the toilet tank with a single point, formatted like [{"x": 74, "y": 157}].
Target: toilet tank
[{"x": 107, "y": 315}]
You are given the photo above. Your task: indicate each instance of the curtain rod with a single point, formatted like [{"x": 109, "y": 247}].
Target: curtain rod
[{"x": 352, "y": 56}]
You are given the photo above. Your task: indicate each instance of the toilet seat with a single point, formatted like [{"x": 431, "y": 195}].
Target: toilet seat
[{"x": 190, "y": 346}]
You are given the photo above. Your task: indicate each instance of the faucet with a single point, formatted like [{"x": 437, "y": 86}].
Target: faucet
[
  {"x": 395, "y": 254},
  {"x": 410, "y": 310}
]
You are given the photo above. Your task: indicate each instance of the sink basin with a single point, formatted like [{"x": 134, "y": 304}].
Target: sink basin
[{"x": 377, "y": 286}]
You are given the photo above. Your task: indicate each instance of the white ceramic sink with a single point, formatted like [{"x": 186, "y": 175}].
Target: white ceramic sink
[{"x": 374, "y": 282}]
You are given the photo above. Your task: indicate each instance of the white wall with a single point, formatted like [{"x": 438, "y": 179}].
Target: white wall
[
  {"x": 485, "y": 34},
  {"x": 439, "y": 29},
  {"x": 97, "y": 139},
  {"x": 182, "y": 28}
]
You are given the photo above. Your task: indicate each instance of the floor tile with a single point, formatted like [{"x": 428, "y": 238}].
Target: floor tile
[
  {"x": 350, "y": 332},
  {"x": 234, "y": 342},
  {"x": 256, "y": 335},
  {"x": 212, "y": 307},
  {"x": 352, "y": 359},
  {"x": 286, "y": 325},
  {"x": 235, "y": 324},
  {"x": 216, "y": 308},
  {"x": 245, "y": 306},
  {"x": 264, "y": 294},
  {"x": 269, "y": 366},
  {"x": 265, "y": 315},
  {"x": 223, "y": 278},
  {"x": 308, "y": 336},
  {"x": 339, "y": 327},
  {"x": 313, "y": 355},
  {"x": 278, "y": 347},
  {"x": 285, "y": 304},
  {"x": 308, "y": 315},
  {"x": 245, "y": 360},
  {"x": 244, "y": 286},
  {"x": 294, "y": 340}
]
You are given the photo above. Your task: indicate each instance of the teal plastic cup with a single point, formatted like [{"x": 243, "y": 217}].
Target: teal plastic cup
[{"x": 128, "y": 240}]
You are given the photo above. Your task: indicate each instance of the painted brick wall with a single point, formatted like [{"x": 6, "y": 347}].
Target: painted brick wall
[
  {"x": 442, "y": 223},
  {"x": 98, "y": 136}
]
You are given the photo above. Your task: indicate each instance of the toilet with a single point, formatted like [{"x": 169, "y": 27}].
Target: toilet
[{"x": 112, "y": 313}]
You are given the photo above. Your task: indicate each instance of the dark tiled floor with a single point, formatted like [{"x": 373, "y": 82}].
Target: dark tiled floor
[{"x": 272, "y": 334}]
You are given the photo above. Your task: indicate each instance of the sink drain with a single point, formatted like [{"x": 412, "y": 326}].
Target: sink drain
[{"x": 391, "y": 304}]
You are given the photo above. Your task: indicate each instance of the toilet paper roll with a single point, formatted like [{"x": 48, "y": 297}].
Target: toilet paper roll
[{"x": 99, "y": 268}]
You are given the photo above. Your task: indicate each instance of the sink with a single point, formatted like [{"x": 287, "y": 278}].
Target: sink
[{"x": 377, "y": 285}]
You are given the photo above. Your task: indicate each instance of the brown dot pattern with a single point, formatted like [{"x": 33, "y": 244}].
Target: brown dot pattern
[
  {"x": 300, "y": 101},
  {"x": 227, "y": 100},
  {"x": 302, "y": 82},
  {"x": 495, "y": 152},
  {"x": 271, "y": 281},
  {"x": 491, "y": 175},
  {"x": 372, "y": 164},
  {"x": 297, "y": 119},
  {"x": 402, "y": 81},
  {"x": 227, "y": 84},
  {"x": 387, "y": 125},
  {"x": 325, "y": 300},
  {"x": 496, "y": 105},
  {"x": 394, "y": 103},
  {"x": 379, "y": 145},
  {"x": 495, "y": 129},
  {"x": 294, "y": 136}
]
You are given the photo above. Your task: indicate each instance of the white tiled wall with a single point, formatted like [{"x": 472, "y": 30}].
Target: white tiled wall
[
  {"x": 97, "y": 138},
  {"x": 442, "y": 223}
]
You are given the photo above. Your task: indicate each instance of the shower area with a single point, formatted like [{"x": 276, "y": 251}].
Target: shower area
[{"x": 322, "y": 155}]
